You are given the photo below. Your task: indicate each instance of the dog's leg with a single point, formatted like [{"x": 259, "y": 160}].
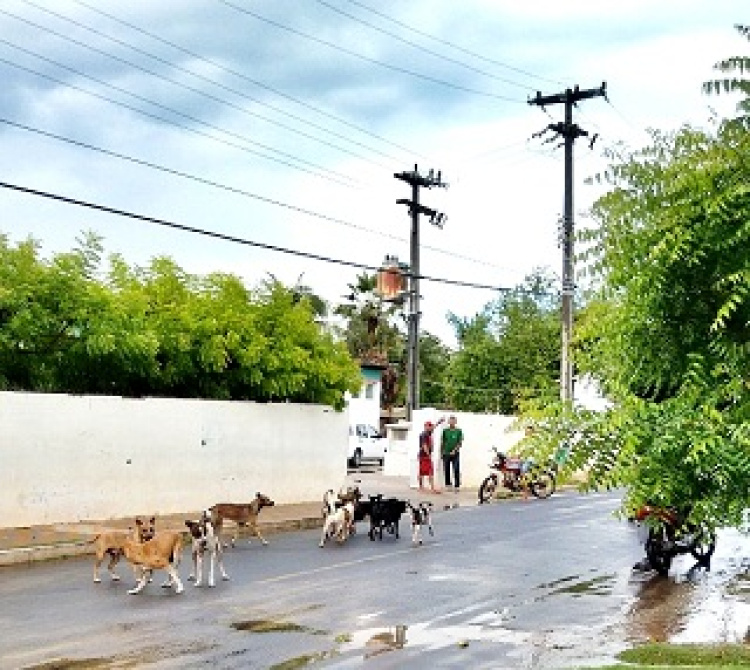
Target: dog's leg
[
  {"x": 194, "y": 574},
  {"x": 114, "y": 557},
  {"x": 236, "y": 535},
  {"x": 97, "y": 565},
  {"x": 325, "y": 533},
  {"x": 142, "y": 579},
  {"x": 199, "y": 567},
  {"x": 220, "y": 560},
  {"x": 256, "y": 531},
  {"x": 211, "y": 567},
  {"x": 174, "y": 578}
]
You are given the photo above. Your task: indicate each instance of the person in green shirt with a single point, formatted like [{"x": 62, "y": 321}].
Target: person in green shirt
[{"x": 450, "y": 447}]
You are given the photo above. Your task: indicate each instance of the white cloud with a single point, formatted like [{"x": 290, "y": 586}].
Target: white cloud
[{"x": 506, "y": 187}]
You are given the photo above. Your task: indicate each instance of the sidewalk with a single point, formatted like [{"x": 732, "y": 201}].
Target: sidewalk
[{"x": 37, "y": 543}]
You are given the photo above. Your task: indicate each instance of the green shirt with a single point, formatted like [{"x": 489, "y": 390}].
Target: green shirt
[{"x": 451, "y": 439}]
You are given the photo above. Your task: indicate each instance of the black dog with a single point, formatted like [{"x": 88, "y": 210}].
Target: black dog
[{"x": 385, "y": 514}]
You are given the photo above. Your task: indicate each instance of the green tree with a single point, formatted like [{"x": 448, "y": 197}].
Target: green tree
[
  {"x": 508, "y": 352},
  {"x": 371, "y": 332},
  {"x": 667, "y": 335},
  {"x": 434, "y": 359},
  {"x": 733, "y": 84},
  {"x": 160, "y": 331}
]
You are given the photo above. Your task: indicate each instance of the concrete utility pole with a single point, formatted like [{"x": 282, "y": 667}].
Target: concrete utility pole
[
  {"x": 416, "y": 181},
  {"x": 569, "y": 131}
]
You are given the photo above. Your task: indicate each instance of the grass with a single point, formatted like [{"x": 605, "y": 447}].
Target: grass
[{"x": 706, "y": 657}]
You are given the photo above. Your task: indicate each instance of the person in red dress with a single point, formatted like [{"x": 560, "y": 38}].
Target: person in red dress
[{"x": 426, "y": 467}]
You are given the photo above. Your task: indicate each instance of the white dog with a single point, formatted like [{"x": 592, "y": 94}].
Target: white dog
[
  {"x": 338, "y": 518},
  {"x": 421, "y": 515},
  {"x": 205, "y": 540}
]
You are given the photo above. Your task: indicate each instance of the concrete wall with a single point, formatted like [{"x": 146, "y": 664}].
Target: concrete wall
[
  {"x": 67, "y": 458},
  {"x": 481, "y": 433}
]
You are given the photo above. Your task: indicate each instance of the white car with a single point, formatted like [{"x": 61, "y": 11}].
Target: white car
[{"x": 365, "y": 444}]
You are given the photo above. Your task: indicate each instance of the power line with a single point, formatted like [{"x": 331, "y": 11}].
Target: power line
[
  {"x": 374, "y": 61},
  {"x": 171, "y": 81},
  {"x": 421, "y": 48},
  {"x": 184, "y": 175},
  {"x": 259, "y": 84},
  {"x": 236, "y": 240},
  {"x": 232, "y": 189},
  {"x": 319, "y": 171},
  {"x": 452, "y": 45}
]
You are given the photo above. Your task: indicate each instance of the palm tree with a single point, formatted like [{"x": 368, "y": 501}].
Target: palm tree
[{"x": 735, "y": 64}]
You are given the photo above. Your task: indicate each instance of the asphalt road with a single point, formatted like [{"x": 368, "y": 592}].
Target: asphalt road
[{"x": 517, "y": 584}]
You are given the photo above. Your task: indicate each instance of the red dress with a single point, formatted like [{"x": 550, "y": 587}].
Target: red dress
[{"x": 425, "y": 455}]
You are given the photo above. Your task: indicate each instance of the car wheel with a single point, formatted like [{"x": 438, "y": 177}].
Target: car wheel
[{"x": 357, "y": 458}]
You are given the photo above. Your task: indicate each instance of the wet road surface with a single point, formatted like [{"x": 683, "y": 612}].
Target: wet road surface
[{"x": 517, "y": 584}]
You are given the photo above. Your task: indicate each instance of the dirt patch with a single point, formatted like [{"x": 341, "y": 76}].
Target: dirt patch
[
  {"x": 72, "y": 664},
  {"x": 269, "y": 626}
]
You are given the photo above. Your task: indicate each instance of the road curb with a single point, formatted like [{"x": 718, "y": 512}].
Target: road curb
[{"x": 47, "y": 552}]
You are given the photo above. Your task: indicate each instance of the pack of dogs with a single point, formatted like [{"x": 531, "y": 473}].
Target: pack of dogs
[
  {"x": 341, "y": 512},
  {"x": 148, "y": 549}
]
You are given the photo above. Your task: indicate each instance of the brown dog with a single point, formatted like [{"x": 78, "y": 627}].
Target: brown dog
[
  {"x": 162, "y": 552},
  {"x": 243, "y": 514},
  {"x": 111, "y": 543}
]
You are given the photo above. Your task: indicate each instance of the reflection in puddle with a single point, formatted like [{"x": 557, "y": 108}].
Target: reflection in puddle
[
  {"x": 487, "y": 627},
  {"x": 696, "y": 606}
]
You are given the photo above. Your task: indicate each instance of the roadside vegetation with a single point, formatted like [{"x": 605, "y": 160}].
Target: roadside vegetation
[
  {"x": 706, "y": 657},
  {"x": 665, "y": 328},
  {"x": 73, "y": 324}
]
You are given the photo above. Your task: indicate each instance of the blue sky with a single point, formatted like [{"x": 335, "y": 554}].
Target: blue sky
[{"x": 315, "y": 104}]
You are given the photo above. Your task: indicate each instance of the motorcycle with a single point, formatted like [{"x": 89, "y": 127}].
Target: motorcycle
[
  {"x": 518, "y": 474},
  {"x": 670, "y": 534}
]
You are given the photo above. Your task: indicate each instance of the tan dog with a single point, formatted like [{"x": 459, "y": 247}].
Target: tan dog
[
  {"x": 243, "y": 514},
  {"x": 111, "y": 543},
  {"x": 162, "y": 552}
]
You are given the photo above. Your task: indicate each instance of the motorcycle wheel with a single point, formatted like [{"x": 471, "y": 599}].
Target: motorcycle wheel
[
  {"x": 658, "y": 557},
  {"x": 542, "y": 483},
  {"x": 487, "y": 490}
]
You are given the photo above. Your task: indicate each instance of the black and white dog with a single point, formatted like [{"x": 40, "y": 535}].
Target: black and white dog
[
  {"x": 421, "y": 516},
  {"x": 205, "y": 540}
]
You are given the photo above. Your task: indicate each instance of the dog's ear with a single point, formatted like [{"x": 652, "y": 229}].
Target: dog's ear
[{"x": 138, "y": 522}]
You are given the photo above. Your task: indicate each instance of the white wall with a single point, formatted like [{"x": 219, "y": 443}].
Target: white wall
[
  {"x": 481, "y": 433},
  {"x": 67, "y": 458}
]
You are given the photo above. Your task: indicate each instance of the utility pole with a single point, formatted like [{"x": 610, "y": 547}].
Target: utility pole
[
  {"x": 570, "y": 132},
  {"x": 416, "y": 181}
]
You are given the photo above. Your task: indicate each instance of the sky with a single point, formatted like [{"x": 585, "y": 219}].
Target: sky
[{"x": 283, "y": 122}]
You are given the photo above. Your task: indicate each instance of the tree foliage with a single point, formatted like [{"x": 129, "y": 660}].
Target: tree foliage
[
  {"x": 508, "y": 352},
  {"x": 159, "y": 331},
  {"x": 733, "y": 84},
  {"x": 667, "y": 334}
]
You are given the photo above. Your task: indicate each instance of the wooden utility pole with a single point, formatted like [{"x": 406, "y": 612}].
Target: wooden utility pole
[{"x": 570, "y": 132}]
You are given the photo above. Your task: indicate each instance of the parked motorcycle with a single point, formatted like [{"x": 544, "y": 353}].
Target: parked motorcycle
[
  {"x": 670, "y": 534},
  {"x": 517, "y": 474}
]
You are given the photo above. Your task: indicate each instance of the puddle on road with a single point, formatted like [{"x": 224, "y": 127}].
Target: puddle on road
[
  {"x": 485, "y": 627},
  {"x": 694, "y": 606}
]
